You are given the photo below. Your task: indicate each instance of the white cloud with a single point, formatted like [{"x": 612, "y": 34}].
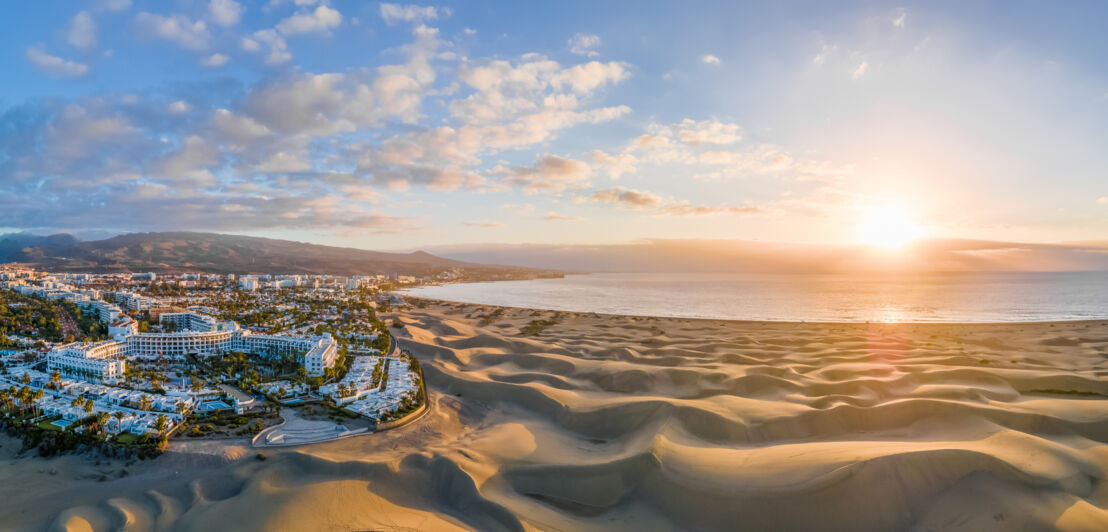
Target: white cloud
[
  {"x": 237, "y": 129},
  {"x": 555, "y": 217},
  {"x": 191, "y": 161},
  {"x": 549, "y": 174},
  {"x": 215, "y": 60},
  {"x": 322, "y": 19},
  {"x": 860, "y": 71},
  {"x": 901, "y": 18},
  {"x": 395, "y": 13},
  {"x": 251, "y": 45},
  {"x": 709, "y": 59},
  {"x": 82, "y": 31},
  {"x": 684, "y": 208},
  {"x": 178, "y": 107},
  {"x": 225, "y": 12},
  {"x": 176, "y": 28},
  {"x": 825, "y": 51},
  {"x": 278, "y": 47},
  {"x": 707, "y": 132},
  {"x": 469, "y": 31},
  {"x": 113, "y": 5},
  {"x": 483, "y": 223},
  {"x": 54, "y": 65},
  {"x": 583, "y": 44},
  {"x": 689, "y": 132},
  {"x": 626, "y": 197},
  {"x": 614, "y": 164}
]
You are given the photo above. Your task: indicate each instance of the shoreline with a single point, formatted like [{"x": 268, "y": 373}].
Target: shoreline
[
  {"x": 542, "y": 419},
  {"x": 1102, "y": 321}
]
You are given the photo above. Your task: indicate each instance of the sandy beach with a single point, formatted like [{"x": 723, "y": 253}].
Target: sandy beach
[{"x": 544, "y": 420}]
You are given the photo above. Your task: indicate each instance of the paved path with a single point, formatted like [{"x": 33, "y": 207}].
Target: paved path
[{"x": 299, "y": 431}]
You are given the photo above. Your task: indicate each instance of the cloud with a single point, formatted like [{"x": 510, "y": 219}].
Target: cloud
[
  {"x": 555, "y": 217},
  {"x": 176, "y": 28},
  {"x": 1103, "y": 200},
  {"x": 237, "y": 130},
  {"x": 54, "y": 65},
  {"x": 278, "y": 47},
  {"x": 707, "y": 132},
  {"x": 225, "y": 12},
  {"x": 82, "y": 31},
  {"x": 192, "y": 161},
  {"x": 178, "y": 107},
  {"x": 549, "y": 174},
  {"x": 626, "y": 197},
  {"x": 709, "y": 59},
  {"x": 686, "y": 209},
  {"x": 525, "y": 209},
  {"x": 640, "y": 200},
  {"x": 322, "y": 19},
  {"x": 860, "y": 70},
  {"x": 395, "y": 13},
  {"x": 825, "y": 51},
  {"x": 296, "y": 149},
  {"x": 215, "y": 60},
  {"x": 690, "y": 133},
  {"x": 901, "y": 17},
  {"x": 614, "y": 164},
  {"x": 113, "y": 5},
  {"x": 483, "y": 223},
  {"x": 584, "y": 44}
]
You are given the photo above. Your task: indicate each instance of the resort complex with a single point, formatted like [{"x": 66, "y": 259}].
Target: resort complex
[{"x": 157, "y": 355}]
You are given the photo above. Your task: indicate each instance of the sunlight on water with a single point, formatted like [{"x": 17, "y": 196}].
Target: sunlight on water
[{"x": 978, "y": 297}]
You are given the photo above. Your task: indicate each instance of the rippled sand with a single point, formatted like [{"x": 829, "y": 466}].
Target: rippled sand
[{"x": 602, "y": 422}]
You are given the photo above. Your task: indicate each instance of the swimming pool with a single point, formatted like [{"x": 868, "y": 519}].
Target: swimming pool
[
  {"x": 62, "y": 423},
  {"x": 214, "y": 405},
  {"x": 292, "y": 401}
]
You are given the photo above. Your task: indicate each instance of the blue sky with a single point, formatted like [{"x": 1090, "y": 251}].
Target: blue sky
[{"x": 385, "y": 125}]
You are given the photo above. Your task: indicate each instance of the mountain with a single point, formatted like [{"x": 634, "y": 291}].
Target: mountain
[
  {"x": 17, "y": 246},
  {"x": 730, "y": 256},
  {"x": 214, "y": 253}
]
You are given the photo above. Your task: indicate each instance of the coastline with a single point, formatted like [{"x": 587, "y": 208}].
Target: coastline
[
  {"x": 1009, "y": 297},
  {"x": 543, "y": 419},
  {"x": 1100, "y": 321}
]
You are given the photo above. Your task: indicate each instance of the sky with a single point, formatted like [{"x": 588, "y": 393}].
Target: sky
[{"x": 399, "y": 126}]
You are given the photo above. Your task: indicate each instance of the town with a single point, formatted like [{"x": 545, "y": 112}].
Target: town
[{"x": 136, "y": 359}]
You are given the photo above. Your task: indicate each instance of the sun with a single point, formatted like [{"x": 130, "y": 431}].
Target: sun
[{"x": 887, "y": 227}]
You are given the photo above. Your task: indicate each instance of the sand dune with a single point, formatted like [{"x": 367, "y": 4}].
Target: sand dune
[{"x": 608, "y": 422}]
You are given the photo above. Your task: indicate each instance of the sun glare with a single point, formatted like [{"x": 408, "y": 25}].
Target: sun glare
[{"x": 887, "y": 227}]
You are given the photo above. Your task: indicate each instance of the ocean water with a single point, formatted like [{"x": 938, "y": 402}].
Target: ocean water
[{"x": 956, "y": 297}]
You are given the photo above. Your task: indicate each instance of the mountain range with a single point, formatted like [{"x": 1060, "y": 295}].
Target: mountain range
[{"x": 213, "y": 253}]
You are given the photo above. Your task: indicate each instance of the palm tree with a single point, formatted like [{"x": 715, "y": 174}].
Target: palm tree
[
  {"x": 160, "y": 423},
  {"x": 144, "y": 403},
  {"x": 37, "y": 397},
  {"x": 78, "y": 401},
  {"x": 98, "y": 421},
  {"x": 89, "y": 406}
]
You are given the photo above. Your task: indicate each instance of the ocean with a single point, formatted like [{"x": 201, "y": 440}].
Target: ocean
[{"x": 952, "y": 297}]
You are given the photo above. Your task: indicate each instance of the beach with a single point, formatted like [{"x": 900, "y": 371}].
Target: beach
[{"x": 547, "y": 420}]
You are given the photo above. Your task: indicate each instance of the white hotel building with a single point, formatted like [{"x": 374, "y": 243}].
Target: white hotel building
[
  {"x": 199, "y": 334},
  {"x": 101, "y": 361}
]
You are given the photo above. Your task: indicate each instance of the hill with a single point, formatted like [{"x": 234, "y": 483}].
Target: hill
[{"x": 214, "y": 253}]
